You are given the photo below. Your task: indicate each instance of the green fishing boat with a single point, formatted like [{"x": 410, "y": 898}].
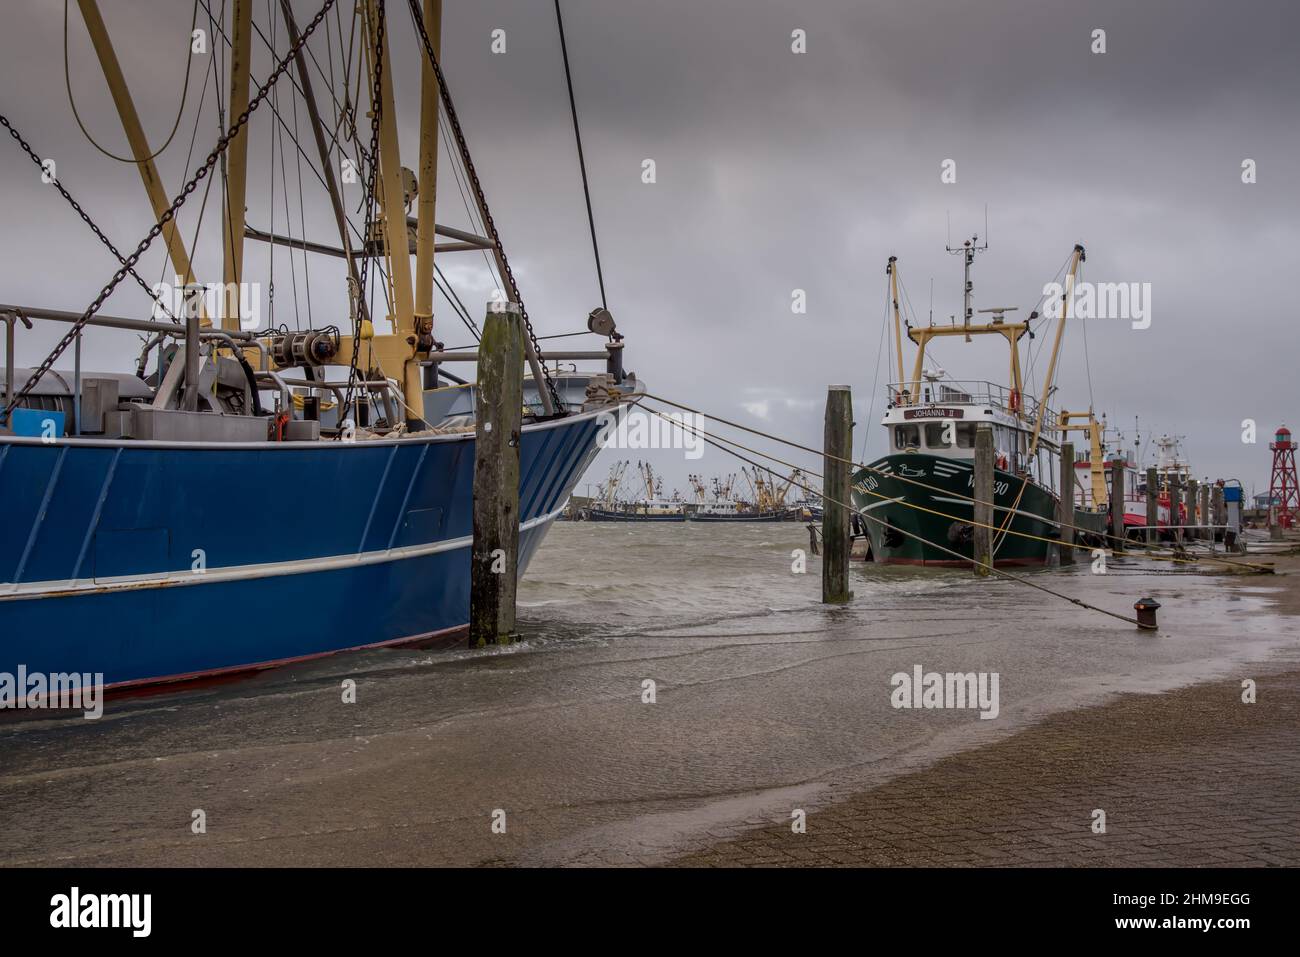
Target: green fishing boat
[{"x": 915, "y": 502}]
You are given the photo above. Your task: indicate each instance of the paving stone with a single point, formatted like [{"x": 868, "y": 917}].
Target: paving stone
[{"x": 1192, "y": 777}]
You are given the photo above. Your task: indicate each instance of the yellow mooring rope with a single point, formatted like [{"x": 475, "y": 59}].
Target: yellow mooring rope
[
  {"x": 1262, "y": 569},
  {"x": 715, "y": 440}
]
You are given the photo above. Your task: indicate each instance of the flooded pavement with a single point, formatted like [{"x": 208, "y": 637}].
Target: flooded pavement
[{"x": 764, "y": 700}]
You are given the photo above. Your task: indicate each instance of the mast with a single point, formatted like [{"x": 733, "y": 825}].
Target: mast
[
  {"x": 892, "y": 270},
  {"x": 428, "y": 192},
  {"x": 1066, "y": 297},
  {"x": 236, "y": 164},
  {"x": 968, "y": 250},
  {"x": 158, "y": 199},
  {"x": 396, "y": 241}
]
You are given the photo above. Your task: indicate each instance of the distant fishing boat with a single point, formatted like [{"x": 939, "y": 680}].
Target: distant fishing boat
[
  {"x": 650, "y": 507},
  {"x": 646, "y": 510},
  {"x": 915, "y": 501},
  {"x": 767, "y": 502},
  {"x": 255, "y": 496},
  {"x": 732, "y": 512},
  {"x": 1095, "y": 470}
]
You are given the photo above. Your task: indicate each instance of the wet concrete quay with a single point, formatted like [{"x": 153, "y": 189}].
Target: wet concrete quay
[{"x": 765, "y": 702}]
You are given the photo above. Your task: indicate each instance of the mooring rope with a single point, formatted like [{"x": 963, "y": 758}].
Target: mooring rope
[
  {"x": 934, "y": 488},
  {"x": 716, "y": 440}
]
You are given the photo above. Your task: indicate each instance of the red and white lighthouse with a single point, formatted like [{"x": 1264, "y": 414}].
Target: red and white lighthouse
[{"x": 1283, "y": 492}]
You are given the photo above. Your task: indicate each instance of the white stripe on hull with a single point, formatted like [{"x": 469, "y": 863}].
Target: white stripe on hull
[{"x": 87, "y": 586}]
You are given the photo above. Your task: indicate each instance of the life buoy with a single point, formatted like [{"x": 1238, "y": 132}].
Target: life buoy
[{"x": 1002, "y": 462}]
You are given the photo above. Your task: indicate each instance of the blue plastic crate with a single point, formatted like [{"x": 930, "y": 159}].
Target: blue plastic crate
[{"x": 36, "y": 422}]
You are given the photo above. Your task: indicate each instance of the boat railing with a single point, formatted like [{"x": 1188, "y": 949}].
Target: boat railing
[
  {"x": 968, "y": 392},
  {"x": 267, "y": 375}
]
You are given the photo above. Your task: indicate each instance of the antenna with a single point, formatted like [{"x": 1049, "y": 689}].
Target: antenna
[{"x": 967, "y": 250}]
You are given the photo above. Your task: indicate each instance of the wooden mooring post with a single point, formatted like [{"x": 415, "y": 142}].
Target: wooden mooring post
[
  {"x": 1193, "y": 533},
  {"x": 1065, "y": 507},
  {"x": 499, "y": 404},
  {"x": 1220, "y": 513},
  {"x": 1175, "y": 519},
  {"x": 1207, "y": 534},
  {"x": 982, "y": 541},
  {"x": 1153, "y": 507},
  {"x": 1117, "y": 505},
  {"x": 838, "y": 450}
]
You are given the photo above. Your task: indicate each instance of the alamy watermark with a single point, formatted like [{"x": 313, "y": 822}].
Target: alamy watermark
[
  {"x": 67, "y": 691},
  {"x": 75, "y": 909},
  {"x": 209, "y": 299},
  {"x": 1101, "y": 300},
  {"x": 640, "y": 430},
  {"x": 950, "y": 690}
]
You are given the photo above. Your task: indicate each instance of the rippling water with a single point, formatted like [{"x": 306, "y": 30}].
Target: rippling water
[{"x": 764, "y": 699}]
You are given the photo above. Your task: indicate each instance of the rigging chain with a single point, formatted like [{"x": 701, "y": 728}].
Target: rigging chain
[
  {"x": 85, "y": 217},
  {"x": 463, "y": 146},
  {"x": 376, "y": 108},
  {"x": 169, "y": 214}
]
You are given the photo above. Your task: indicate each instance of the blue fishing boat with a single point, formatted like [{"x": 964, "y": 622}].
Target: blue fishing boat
[
  {"x": 128, "y": 557},
  {"x": 255, "y": 496}
]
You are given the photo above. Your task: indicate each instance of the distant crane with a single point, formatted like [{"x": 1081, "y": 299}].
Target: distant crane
[
  {"x": 654, "y": 488},
  {"x": 722, "y": 487},
  {"x": 608, "y": 492},
  {"x": 779, "y": 496}
]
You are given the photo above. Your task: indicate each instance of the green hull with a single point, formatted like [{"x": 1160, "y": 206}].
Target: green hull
[{"x": 902, "y": 534}]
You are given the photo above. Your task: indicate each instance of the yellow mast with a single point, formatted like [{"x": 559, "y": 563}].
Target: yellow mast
[
  {"x": 1066, "y": 298},
  {"x": 396, "y": 241},
  {"x": 892, "y": 269},
  {"x": 232, "y": 218},
  {"x": 135, "y": 136},
  {"x": 428, "y": 193}
]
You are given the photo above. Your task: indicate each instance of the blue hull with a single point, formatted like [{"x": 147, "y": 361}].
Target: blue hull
[{"x": 154, "y": 562}]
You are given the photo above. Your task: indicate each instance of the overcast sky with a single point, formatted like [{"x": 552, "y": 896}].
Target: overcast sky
[{"x": 776, "y": 171}]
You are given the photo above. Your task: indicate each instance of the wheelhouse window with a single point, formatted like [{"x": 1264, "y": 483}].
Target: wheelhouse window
[
  {"x": 966, "y": 435},
  {"x": 907, "y": 437},
  {"x": 934, "y": 435}
]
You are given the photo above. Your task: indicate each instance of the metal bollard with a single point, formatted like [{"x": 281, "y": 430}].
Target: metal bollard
[{"x": 1146, "y": 609}]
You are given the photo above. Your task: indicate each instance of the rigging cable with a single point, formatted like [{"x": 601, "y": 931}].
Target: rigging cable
[
  {"x": 302, "y": 210},
  {"x": 919, "y": 484},
  {"x": 128, "y": 265},
  {"x": 189, "y": 158},
  {"x": 168, "y": 217},
  {"x": 864, "y": 514},
  {"x": 532, "y": 348},
  {"x": 376, "y": 112},
  {"x": 67, "y": 82},
  {"x": 475, "y": 218},
  {"x": 1263, "y": 569},
  {"x": 871, "y": 411},
  {"x": 582, "y": 163}
]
